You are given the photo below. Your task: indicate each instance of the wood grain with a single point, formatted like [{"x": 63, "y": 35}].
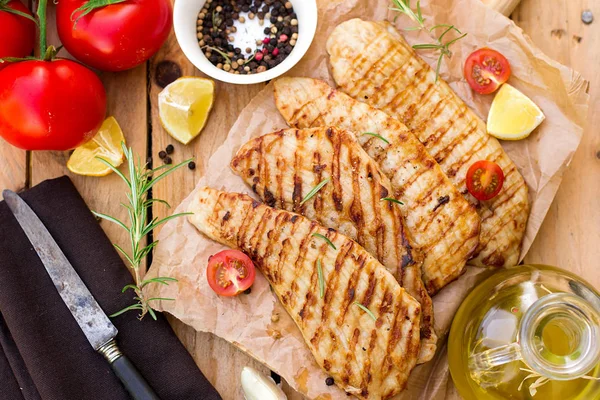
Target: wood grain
[{"x": 570, "y": 234}]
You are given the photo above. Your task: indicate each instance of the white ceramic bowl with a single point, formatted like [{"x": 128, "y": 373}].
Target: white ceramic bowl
[{"x": 185, "y": 15}]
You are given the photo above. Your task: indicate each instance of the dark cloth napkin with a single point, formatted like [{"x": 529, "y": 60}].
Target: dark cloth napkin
[{"x": 43, "y": 353}]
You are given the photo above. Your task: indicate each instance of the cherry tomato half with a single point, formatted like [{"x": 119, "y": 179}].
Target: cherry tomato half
[
  {"x": 230, "y": 272},
  {"x": 17, "y": 33},
  {"x": 486, "y": 70},
  {"x": 484, "y": 180}
]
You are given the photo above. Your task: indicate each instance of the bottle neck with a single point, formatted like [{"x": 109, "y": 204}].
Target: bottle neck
[{"x": 559, "y": 336}]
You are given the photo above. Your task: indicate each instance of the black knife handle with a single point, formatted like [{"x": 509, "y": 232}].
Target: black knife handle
[{"x": 133, "y": 381}]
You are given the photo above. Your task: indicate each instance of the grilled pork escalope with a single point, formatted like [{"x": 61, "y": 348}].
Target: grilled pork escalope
[
  {"x": 443, "y": 224},
  {"x": 282, "y": 167},
  {"x": 373, "y": 63},
  {"x": 366, "y": 357}
]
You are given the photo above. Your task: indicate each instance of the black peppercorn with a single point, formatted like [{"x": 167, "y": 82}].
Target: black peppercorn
[
  {"x": 329, "y": 381},
  {"x": 162, "y": 154},
  {"x": 248, "y": 291},
  {"x": 167, "y": 160},
  {"x": 170, "y": 149},
  {"x": 192, "y": 165},
  {"x": 266, "y": 31}
]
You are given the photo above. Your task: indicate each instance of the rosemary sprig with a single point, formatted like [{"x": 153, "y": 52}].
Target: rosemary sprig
[
  {"x": 139, "y": 183},
  {"x": 378, "y": 136},
  {"x": 403, "y": 7},
  {"x": 443, "y": 48},
  {"x": 314, "y": 191},
  {"x": 393, "y": 200},
  {"x": 365, "y": 309},
  {"x": 325, "y": 238},
  {"x": 321, "y": 280}
]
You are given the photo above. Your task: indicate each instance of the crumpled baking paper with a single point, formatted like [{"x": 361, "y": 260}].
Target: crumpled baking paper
[{"x": 247, "y": 321}]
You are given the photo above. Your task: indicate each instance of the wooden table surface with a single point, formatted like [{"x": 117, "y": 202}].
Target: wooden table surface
[{"x": 570, "y": 235}]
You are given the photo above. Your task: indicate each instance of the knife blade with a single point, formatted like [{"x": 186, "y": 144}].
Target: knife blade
[{"x": 94, "y": 323}]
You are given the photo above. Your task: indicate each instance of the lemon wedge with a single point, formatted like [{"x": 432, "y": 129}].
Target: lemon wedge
[
  {"x": 513, "y": 116},
  {"x": 184, "y": 105},
  {"x": 106, "y": 145}
]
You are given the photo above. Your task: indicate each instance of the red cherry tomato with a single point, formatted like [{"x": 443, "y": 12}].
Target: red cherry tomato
[
  {"x": 50, "y": 105},
  {"x": 230, "y": 272},
  {"x": 486, "y": 70},
  {"x": 484, "y": 180},
  {"x": 114, "y": 37},
  {"x": 17, "y": 33}
]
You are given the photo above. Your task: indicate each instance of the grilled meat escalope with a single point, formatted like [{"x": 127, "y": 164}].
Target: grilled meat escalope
[
  {"x": 366, "y": 357},
  {"x": 373, "y": 63},
  {"x": 282, "y": 167},
  {"x": 443, "y": 224}
]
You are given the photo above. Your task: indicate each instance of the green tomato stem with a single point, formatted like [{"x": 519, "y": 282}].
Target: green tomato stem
[{"x": 41, "y": 13}]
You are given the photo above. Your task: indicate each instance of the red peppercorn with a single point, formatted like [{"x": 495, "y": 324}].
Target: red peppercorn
[
  {"x": 283, "y": 38},
  {"x": 266, "y": 40},
  {"x": 258, "y": 56},
  {"x": 265, "y": 50},
  {"x": 275, "y": 52}
]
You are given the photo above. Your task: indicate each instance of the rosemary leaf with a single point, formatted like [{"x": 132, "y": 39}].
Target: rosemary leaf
[
  {"x": 392, "y": 200},
  {"x": 161, "y": 298},
  {"x": 111, "y": 219},
  {"x": 114, "y": 169},
  {"x": 377, "y": 136},
  {"x": 321, "y": 280},
  {"x": 314, "y": 191},
  {"x": 365, "y": 309},
  {"x": 325, "y": 238},
  {"x": 426, "y": 46},
  {"x": 130, "y": 286},
  {"x": 161, "y": 201},
  {"x": 136, "y": 306},
  {"x": 124, "y": 253},
  {"x": 151, "y": 312},
  {"x": 161, "y": 279}
]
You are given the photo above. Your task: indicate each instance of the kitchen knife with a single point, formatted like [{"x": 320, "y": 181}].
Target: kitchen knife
[{"x": 94, "y": 323}]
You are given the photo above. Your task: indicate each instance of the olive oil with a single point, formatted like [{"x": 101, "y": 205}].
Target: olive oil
[{"x": 494, "y": 338}]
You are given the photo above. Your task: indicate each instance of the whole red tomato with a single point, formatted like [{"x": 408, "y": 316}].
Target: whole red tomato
[
  {"x": 17, "y": 33},
  {"x": 50, "y": 105},
  {"x": 114, "y": 37}
]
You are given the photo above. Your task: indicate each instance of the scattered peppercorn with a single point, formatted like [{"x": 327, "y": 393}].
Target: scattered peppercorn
[
  {"x": 162, "y": 154},
  {"x": 192, "y": 165},
  {"x": 170, "y": 149},
  {"x": 167, "y": 160},
  {"x": 329, "y": 381},
  {"x": 248, "y": 291}
]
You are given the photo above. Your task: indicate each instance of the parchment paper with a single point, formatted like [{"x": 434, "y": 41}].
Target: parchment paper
[{"x": 246, "y": 320}]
